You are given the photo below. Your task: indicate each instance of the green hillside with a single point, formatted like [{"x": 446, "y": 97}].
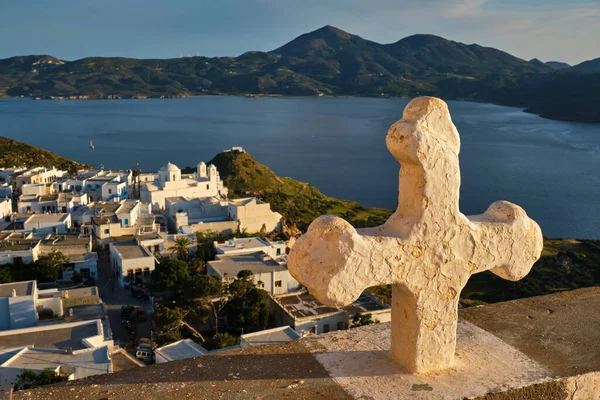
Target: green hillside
[
  {"x": 16, "y": 153},
  {"x": 327, "y": 61}
]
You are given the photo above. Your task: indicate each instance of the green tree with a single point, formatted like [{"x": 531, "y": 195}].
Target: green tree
[
  {"x": 168, "y": 323},
  {"x": 28, "y": 379},
  {"x": 46, "y": 268},
  {"x": 5, "y": 274},
  {"x": 181, "y": 247},
  {"x": 77, "y": 278},
  {"x": 223, "y": 340},
  {"x": 197, "y": 266},
  {"x": 362, "y": 320},
  {"x": 170, "y": 275}
]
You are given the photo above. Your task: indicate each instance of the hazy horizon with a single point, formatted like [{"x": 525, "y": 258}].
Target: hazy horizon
[{"x": 549, "y": 30}]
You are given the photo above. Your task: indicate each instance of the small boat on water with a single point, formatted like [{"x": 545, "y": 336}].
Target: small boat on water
[{"x": 91, "y": 145}]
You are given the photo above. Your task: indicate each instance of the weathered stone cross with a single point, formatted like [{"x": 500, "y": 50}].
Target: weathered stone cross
[{"x": 427, "y": 249}]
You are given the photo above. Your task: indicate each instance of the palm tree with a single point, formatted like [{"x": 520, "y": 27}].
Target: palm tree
[{"x": 181, "y": 247}]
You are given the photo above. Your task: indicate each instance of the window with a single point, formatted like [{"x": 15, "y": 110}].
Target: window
[
  {"x": 325, "y": 328},
  {"x": 207, "y": 187},
  {"x": 277, "y": 283},
  {"x": 97, "y": 186},
  {"x": 313, "y": 330},
  {"x": 109, "y": 191},
  {"x": 340, "y": 326},
  {"x": 126, "y": 222},
  {"x": 278, "y": 252},
  {"x": 106, "y": 231}
]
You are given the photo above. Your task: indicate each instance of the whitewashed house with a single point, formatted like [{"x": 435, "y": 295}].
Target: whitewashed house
[
  {"x": 5, "y": 207},
  {"x": 268, "y": 274},
  {"x": 78, "y": 251},
  {"x": 307, "y": 315},
  {"x": 35, "y": 203},
  {"x": 205, "y": 182},
  {"x": 129, "y": 259},
  {"x": 221, "y": 216},
  {"x": 48, "y": 223}
]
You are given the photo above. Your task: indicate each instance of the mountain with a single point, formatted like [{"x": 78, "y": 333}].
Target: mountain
[
  {"x": 557, "y": 65},
  {"x": 591, "y": 66},
  {"x": 327, "y": 61},
  {"x": 16, "y": 153}
]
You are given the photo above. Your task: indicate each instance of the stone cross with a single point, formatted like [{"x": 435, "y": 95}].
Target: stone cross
[{"x": 427, "y": 249}]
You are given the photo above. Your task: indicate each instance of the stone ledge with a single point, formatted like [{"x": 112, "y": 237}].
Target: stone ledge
[{"x": 515, "y": 350}]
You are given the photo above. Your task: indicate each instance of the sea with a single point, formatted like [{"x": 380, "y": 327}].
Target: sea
[{"x": 550, "y": 168}]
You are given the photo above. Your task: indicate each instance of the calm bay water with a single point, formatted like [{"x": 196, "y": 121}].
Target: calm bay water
[{"x": 550, "y": 168}]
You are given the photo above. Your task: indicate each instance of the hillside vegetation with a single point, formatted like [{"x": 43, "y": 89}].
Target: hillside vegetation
[
  {"x": 17, "y": 153},
  {"x": 327, "y": 61}
]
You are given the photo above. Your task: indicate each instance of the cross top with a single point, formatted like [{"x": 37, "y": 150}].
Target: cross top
[{"x": 427, "y": 249}]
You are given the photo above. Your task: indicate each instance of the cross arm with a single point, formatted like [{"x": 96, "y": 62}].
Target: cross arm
[
  {"x": 505, "y": 241},
  {"x": 336, "y": 263}
]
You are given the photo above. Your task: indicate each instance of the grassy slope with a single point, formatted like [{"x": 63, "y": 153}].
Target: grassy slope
[{"x": 16, "y": 153}]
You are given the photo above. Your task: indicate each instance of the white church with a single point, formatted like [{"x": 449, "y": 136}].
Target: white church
[{"x": 205, "y": 182}]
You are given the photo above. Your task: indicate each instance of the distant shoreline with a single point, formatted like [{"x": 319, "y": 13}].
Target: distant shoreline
[{"x": 249, "y": 96}]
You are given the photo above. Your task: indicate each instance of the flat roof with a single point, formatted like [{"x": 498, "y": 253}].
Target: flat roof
[
  {"x": 181, "y": 350},
  {"x": 57, "y": 336},
  {"x": 258, "y": 262},
  {"x": 19, "y": 245},
  {"x": 126, "y": 206},
  {"x": 47, "y": 218},
  {"x": 130, "y": 249},
  {"x": 271, "y": 336},
  {"x": 237, "y": 244},
  {"x": 303, "y": 305},
  {"x": 88, "y": 362},
  {"x": 366, "y": 302},
  {"x": 24, "y": 288},
  {"x": 66, "y": 240}
]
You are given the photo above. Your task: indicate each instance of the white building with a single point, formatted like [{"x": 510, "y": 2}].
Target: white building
[
  {"x": 77, "y": 349},
  {"x": 111, "y": 220},
  {"x": 276, "y": 250},
  {"x": 180, "y": 350},
  {"x": 221, "y": 216},
  {"x": 78, "y": 251},
  {"x": 267, "y": 274},
  {"x": 18, "y": 250},
  {"x": 129, "y": 259},
  {"x": 5, "y": 207},
  {"x": 279, "y": 335},
  {"x": 35, "y": 203},
  {"x": 205, "y": 182},
  {"x": 307, "y": 315},
  {"x": 114, "y": 191},
  {"x": 70, "y": 200},
  {"x": 6, "y": 190},
  {"x": 48, "y": 223},
  {"x": 37, "y": 175},
  {"x": 18, "y": 302}
]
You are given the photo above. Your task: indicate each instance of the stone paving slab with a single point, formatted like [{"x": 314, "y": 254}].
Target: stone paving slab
[{"x": 358, "y": 361}]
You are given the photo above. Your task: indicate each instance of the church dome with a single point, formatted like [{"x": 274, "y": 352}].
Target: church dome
[{"x": 169, "y": 167}]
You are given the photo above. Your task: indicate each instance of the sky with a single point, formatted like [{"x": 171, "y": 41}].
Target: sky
[{"x": 551, "y": 30}]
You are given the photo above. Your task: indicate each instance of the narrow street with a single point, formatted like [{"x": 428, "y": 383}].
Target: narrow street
[{"x": 114, "y": 299}]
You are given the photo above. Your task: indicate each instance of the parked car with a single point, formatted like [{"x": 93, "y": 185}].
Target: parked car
[
  {"x": 141, "y": 314},
  {"x": 145, "y": 355}
]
